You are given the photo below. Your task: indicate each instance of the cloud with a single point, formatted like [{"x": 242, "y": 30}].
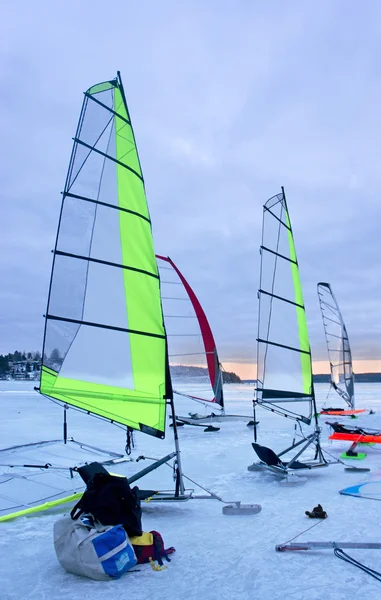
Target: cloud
[{"x": 228, "y": 104}]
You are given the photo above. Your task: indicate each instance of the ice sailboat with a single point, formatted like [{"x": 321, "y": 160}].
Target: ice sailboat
[
  {"x": 339, "y": 351},
  {"x": 105, "y": 343},
  {"x": 284, "y": 379},
  {"x": 195, "y": 368}
]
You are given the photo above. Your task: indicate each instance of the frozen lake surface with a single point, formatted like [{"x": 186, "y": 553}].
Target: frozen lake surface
[{"x": 218, "y": 557}]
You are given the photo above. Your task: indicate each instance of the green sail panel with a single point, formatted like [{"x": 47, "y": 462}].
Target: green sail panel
[
  {"x": 105, "y": 347},
  {"x": 284, "y": 380},
  {"x": 339, "y": 350}
]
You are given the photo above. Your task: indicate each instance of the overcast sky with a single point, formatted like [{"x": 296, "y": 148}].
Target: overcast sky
[{"x": 229, "y": 101}]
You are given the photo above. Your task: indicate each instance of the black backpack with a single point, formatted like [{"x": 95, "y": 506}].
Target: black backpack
[{"x": 111, "y": 501}]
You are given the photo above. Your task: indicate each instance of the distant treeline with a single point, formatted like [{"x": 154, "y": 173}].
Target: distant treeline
[
  {"x": 230, "y": 377},
  {"x": 326, "y": 378},
  {"x": 187, "y": 371},
  {"x": 359, "y": 378},
  {"x": 19, "y": 364}
]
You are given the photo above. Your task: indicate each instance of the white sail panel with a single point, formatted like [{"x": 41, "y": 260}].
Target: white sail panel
[
  {"x": 284, "y": 356},
  {"x": 339, "y": 351}
]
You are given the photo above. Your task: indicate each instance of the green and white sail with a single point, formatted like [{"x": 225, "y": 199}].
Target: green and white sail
[
  {"x": 284, "y": 379},
  {"x": 105, "y": 345},
  {"x": 339, "y": 350}
]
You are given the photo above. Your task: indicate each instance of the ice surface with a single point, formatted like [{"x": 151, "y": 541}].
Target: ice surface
[{"x": 217, "y": 557}]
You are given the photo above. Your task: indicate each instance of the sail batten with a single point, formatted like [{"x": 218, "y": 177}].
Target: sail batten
[
  {"x": 339, "y": 351},
  {"x": 280, "y": 298},
  {"x": 105, "y": 345},
  {"x": 132, "y": 212},
  {"x": 119, "y": 162},
  {"x": 277, "y": 253},
  {"x": 283, "y": 350},
  {"x": 105, "y": 262}
]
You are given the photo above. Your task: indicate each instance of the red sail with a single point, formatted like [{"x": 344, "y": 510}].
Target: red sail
[{"x": 209, "y": 344}]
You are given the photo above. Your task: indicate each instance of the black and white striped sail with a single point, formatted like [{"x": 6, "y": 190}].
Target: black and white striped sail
[
  {"x": 339, "y": 351},
  {"x": 284, "y": 379}
]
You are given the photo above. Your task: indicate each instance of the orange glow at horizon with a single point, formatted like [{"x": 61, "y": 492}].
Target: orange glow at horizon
[{"x": 249, "y": 370}]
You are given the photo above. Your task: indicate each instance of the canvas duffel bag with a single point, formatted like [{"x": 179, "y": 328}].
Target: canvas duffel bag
[{"x": 86, "y": 547}]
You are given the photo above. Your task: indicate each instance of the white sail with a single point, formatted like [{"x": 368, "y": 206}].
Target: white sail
[
  {"x": 339, "y": 350},
  {"x": 284, "y": 380}
]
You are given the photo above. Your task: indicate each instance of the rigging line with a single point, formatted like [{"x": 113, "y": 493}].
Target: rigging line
[
  {"x": 90, "y": 247},
  {"x": 183, "y": 335},
  {"x": 189, "y": 354},
  {"x": 68, "y": 176},
  {"x": 272, "y": 287},
  {"x": 76, "y": 139},
  {"x": 75, "y": 147},
  {"x": 280, "y": 410},
  {"x": 105, "y": 262},
  {"x": 180, "y": 317},
  {"x": 319, "y": 522},
  {"x": 88, "y": 264},
  {"x": 117, "y": 131},
  {"x": 61, "y": 403},
  {"x": 199, "y": 400}
]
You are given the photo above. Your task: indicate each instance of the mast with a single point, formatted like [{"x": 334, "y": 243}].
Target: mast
[{"x": 339, "y": 351}]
